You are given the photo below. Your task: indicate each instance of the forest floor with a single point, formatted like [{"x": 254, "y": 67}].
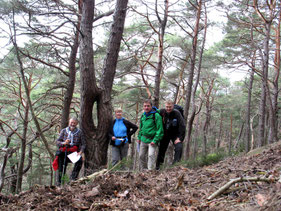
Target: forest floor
[{"x": 257, "y": 187}]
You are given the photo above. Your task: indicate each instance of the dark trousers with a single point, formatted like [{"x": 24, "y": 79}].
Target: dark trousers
[
  {"x": 164, "y": 143},
  {"x": 62, "y": 168}
]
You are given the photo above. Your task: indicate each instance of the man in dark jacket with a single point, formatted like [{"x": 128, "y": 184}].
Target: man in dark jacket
[{"x": 174, "y": 130}]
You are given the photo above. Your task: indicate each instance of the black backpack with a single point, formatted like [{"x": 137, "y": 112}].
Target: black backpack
[{"x": 179, "y": 108}]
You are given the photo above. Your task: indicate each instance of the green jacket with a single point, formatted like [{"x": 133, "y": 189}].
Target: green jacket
[{"x": 151, "y": 130}]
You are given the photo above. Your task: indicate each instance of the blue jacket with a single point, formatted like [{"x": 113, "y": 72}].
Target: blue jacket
[{"x": 131, "y": 129}]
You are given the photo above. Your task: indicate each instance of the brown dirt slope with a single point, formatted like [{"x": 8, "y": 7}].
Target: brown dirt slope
[{"x": 178, "y": 188}]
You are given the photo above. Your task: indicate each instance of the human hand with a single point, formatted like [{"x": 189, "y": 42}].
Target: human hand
[
  {"x": 67, "y": 141},
  {"x": 82, "y": 155},
  {"x": 152, "y": 143},
  {"x": 113, "y": 138},
  {"x": 177, "y": 141},
  {"x": 138, "y": 141}
]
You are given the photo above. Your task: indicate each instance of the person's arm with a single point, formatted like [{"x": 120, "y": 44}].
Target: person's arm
[
  {"x": 181, "y": 127},
  {"x": 110, "y": 131},
  {"x": 132, "y": 128},
  {"x": 83, "y": 143},
  {"x": 140, "y": 131},
  {"x": 159, "y": 129},
  {"x": 60, "y": 140}
]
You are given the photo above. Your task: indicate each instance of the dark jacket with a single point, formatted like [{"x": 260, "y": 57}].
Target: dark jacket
[
  {"x": 78, "y": 139},
  {"x": 173, "y": 124},
  {"x": 131, "y": 129}
]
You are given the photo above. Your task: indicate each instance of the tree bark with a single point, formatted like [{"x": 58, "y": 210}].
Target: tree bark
[
  {"x": 23, "y": 146},
  {"x": 193, "y": 113},
  {"x": 248, "y": 112},
  {"x": 68, "y": 95},
  {"x": 96, "y": 136},
  {"x": 160, "y": 52},
  {"x": 21, "y": 68},
  {"x": 262, "y": 107},
  {"x": 192, "y": 62}
]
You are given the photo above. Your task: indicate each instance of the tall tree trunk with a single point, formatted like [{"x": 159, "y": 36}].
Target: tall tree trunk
[
  {"x": 23, "y": 146},
  {"x": 160, "y": 52},
  {"x": 96, "y": 136},
  {"x": 196, "y": 137},
  {"x": 274, "y": 108},
  {"x": 266, "y": 95},
  {"x": 72, "y": 76},
  {"x": 21, "y": 68},
  {"x": 9, "y": 152},
  {"x": 193, "y": 61},
  {"x": 230, "y": 136},
  {"x": 193, "y": 113},
  {"x": 220, "y": 131},
  {"x": 248, "y": 112},
  {"x": 262, "y": 108}
]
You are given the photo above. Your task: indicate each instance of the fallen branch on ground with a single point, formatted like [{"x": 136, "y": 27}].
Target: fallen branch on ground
[
  {"x": 96, "y": 174},
  {"x": 236, "y": 180}
]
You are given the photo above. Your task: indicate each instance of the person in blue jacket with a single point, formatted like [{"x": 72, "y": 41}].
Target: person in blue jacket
[{"x": 120, "y": 134}]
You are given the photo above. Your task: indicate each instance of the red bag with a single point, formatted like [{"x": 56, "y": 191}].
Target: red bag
[
  {"x": 56, "y": 163},
  {"x": 69, "y": 149}
]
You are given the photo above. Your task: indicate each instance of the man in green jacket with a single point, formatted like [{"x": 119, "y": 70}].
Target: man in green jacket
[{"x": 150, "y": 133}]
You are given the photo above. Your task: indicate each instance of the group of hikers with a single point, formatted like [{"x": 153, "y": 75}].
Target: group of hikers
[{"x": 157, "y": 128}]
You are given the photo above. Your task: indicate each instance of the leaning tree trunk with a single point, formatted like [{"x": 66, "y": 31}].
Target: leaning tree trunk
[
  {"x": 192, "y": 62},
  {"x": 96, "y": 135},
  {"x": 72, "y": 76},
  {"x": 26, "y": 89}
]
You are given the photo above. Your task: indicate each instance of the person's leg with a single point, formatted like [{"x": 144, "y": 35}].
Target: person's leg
[
  {"x": 178, "y": 152},
  {"x": 151, "y": 156},
  {"x": 124, "y": 151},
  {"x": 164, "y": 143},
  {"x": 76, "y": 169},
  {"x": 143, "y": 155},
  {"x": 115, "y": 153},
  {"x": 62, "y": 168}
]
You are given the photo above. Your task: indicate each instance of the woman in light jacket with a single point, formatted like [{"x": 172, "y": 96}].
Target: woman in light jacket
[{"x": 120, "y": 133}]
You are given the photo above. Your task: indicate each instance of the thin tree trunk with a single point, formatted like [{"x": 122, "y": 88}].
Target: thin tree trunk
[
  {"x": 248, "y": 112},
  {"x": 192, "y": 62},
  {"x": 230, "y": 136},
  {"x": 220, "y": 131},
  {"x": 72, "y": 76},
  {"x": 193, "y": 113},
  {"x": 8, "y": 153},
  {"x": 196, "y": 137},
  {"x": 159, "y": 68},
  {"x": 23, "y": 148},
  {"x": 35, "y": 120},
  {"x": 262, "y": 108},
  {"x": 274, "y": 108}
]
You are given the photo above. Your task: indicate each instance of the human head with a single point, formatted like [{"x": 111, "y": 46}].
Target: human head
[
  {"x": 169, "y": 106},
  {"x": 73, "y": 122},
  {"x": 118, "y": 113},
  {"x": 147, "y": 105}
]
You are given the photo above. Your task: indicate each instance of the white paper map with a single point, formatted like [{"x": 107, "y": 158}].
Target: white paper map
[{"x": 74, "y": 157}]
